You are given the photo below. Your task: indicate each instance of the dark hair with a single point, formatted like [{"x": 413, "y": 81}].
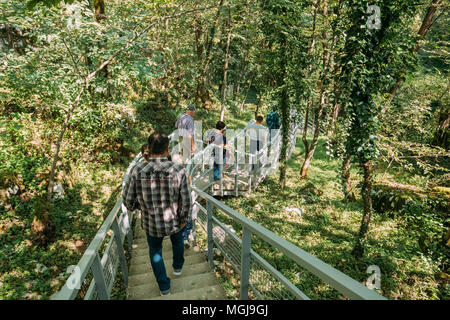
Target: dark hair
[
  {"x": 259, "y": 118},
  {"x": 220, "y": 125},
  {"x": 158, "y": 142},
  {"x": 145, "y": 152}
]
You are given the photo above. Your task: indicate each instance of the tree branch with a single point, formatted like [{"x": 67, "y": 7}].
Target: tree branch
[{"x": 86, "y": 81}]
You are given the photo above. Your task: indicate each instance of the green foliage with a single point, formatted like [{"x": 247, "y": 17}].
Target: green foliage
[
  {"x": 51, "y": 49},
  {"x": 33, "y": 3},
  {"x": 428, "y": 226},
  {"x": 371, "y": 60},
  {"x": 327, "y": 229}
]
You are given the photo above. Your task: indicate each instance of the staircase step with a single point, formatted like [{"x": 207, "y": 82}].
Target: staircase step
[
  {"x": 143, "y": 240},
  {"x": 141, "y": 236},
  {"x": 215, "y": 292},
  {"x": 142, "y": 249},
  {"x": 142, "y": 264},
  {"x": 149, "y": 277},
  {"x": 186, "y": 284},
  {"x": 139, "y": 251}
]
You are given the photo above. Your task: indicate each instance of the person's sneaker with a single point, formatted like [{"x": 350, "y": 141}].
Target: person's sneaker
[
  {"x": 177, "y": 272},
  {"x": 186, "y": 244},
  {"x": 165, "y": 292}
]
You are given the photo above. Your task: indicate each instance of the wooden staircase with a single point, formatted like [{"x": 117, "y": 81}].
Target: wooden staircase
[{"x": 196, "y": 282}]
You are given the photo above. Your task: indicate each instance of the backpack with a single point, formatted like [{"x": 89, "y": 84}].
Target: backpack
[{"x": 273, "y": 121}]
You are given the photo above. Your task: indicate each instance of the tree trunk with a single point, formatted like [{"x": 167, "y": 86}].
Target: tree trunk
[
  {"x": 243, "y": 65},
  {"x": 258, "y": 105},
  {"x": 305, "y": 131},
  {"x": 336, "y": 105},
  {"x": 245, "y": 98},
  {"x": 322, "y": 98},
  {"x": 334, "y": 116},
  {"x": 51, "y": 180},
  {"x": 99, "y": 7},
  {"x": 366, "y": 189},
  {"x": 347, "y": 183},
  {"x": 202, "y": 92},
  {"x": 427, "y": 22},
  {"x": 312, "y": 148},
  {"x": 100, "y": 16},
  {"x": 225, "y": 66},
  {"x": 198, "y": 35},
  {"x": 284, "y": 104}
]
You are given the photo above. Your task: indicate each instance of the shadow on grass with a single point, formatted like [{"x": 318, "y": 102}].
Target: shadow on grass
[
  {"x": 161, "y": 117},
  {"x": 334, "y": 241},
  {"x": 29, "y": 270}
]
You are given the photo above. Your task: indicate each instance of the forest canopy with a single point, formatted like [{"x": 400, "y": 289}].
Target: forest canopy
[{"x": 82, "y": 83}]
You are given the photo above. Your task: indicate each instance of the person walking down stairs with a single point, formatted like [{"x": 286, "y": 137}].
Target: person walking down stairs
[
  {"x": 218, "y": 137},
  {"x": 186, "y": 130},
  {"x": 258, "y": 135},
  {"x": 160, "y": 189}
]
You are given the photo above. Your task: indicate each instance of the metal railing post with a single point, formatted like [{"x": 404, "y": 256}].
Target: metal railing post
[
  {"x": 123, "y": 260},
  {"x": 129, "y": 234},
  {"x": 245, "y": 147},
  {"x": 250, "y": 174},
  {"x": 211, "y": 178},
  {"x": 236, "y": 168},
  {"x": 203, "y": 161},
  {"x": 245, "y": 263},
  {"x": 210, "y": 236},
  {"x": 99, "y": 278},
  {"x": 127, "y": 217},
  {"x": 221, "y": 170},
  {"x": 256, "y": 168}
]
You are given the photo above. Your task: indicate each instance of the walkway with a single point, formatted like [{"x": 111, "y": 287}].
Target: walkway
[
  {"x": 196, "y": 282},
  {"x": 97, "y": 270}
]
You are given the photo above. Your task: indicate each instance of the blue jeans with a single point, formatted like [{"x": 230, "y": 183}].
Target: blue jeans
[
  {"x": 187, "y": 230},
  {"x": 156, "y": 258},
  {"x": 217, "y": 167}
]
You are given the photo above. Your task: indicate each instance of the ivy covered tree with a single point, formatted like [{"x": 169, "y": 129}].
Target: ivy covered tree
[
  {"x": 376, "y": 48},
  {"x": 55, "y": 73},
  {"x": 286, "y": 60}
]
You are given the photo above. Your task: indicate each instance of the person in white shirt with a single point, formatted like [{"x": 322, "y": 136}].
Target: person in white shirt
[
  {"x": 186, "y": 131},
  {"x": 258, "y": 134}
]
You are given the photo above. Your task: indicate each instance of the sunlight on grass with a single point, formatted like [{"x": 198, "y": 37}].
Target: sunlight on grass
[{"x": 328, "y": 227}]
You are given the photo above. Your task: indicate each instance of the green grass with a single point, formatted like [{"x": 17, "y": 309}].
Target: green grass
[
  {"x": 77, "y": 217},
  {"x": 92, "y": 192},
  {"x": 328, "y": 229}
]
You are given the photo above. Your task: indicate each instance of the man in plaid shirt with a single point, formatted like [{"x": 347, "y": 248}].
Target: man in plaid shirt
[{"x": 160, "y": 189}]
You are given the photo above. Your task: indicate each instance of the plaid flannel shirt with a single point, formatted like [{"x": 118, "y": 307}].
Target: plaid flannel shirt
[{"x": 160, "y": 189}]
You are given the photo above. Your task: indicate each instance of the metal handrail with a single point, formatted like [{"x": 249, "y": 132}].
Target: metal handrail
[
  {"x": 91, "y": 258},
  {"x": 211, "y": 146},
  {"x": 119, "y": 223},
  {"x": 193, "y": 164},
  {"x": 118, "y": 220},
  {"x": 335, "y": 278}
]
